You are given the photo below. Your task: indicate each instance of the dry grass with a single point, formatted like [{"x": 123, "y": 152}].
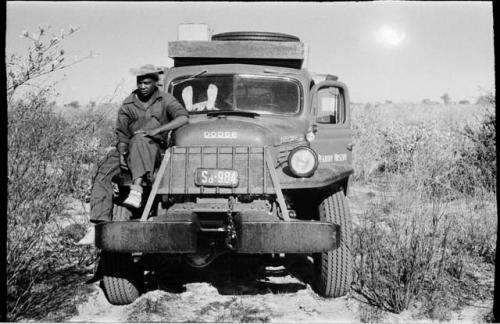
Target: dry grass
[
  {"x": 50, "y": 159},
  {"x": 419, "y": 240},
  {"x": 158, "y": 306},
  {"x": 405, "y": 129}
]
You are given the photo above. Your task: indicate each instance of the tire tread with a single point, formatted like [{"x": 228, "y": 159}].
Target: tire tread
[
  {"x": 120, "y": 279},
  {"x": 335, "y": 272}
]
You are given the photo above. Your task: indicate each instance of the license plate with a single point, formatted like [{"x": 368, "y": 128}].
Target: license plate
[{"x": 216, "y": 178}]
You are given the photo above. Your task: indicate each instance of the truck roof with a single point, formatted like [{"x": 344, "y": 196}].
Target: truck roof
[{"x": 272, "y": 53}]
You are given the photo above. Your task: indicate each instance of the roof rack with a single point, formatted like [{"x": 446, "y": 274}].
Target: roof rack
[{"x": 260, "y": 48}]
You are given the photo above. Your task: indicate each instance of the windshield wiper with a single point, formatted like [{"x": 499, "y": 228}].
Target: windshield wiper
[
  {"x": 279, "y": 72},
  {"x": 233, "y": 113},
  {"x": 194, "y": 76}
]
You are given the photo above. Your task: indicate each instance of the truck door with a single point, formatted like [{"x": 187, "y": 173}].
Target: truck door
[{"x": 331, "y": 124}]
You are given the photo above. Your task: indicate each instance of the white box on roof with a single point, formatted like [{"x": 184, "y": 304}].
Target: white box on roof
[{"x": 193, "y": 32}]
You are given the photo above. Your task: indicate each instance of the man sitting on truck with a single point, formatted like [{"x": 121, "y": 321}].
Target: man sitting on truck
[
  {"x": 144, "y": 120},
  {"x": 144, "y": 116}
]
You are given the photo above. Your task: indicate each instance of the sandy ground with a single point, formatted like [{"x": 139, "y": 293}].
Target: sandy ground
[
  {"x": 202, "y": 302},
  {"x": 232, "y": 291}
]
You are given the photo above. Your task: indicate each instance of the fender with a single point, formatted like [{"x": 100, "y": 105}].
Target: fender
[{"x": 321, "y": 178}]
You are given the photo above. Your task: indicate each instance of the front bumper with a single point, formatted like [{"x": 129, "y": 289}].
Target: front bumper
[{"x": 252, "y": 236}]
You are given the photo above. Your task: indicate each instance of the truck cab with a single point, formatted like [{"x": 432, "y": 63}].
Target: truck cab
[{"x": 261, "y": 168}]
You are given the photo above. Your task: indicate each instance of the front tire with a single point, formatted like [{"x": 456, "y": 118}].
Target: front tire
[
  {"x": 121, "y": 276},
  {"x": 333, "y": 270}
]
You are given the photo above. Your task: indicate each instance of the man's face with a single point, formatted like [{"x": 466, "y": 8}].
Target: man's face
[{"x": 146, "y": 86}]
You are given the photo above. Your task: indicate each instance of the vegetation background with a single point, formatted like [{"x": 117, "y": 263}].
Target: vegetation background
[{"x": 426, "y": 242}]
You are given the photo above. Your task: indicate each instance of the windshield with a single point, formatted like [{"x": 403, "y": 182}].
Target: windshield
[{"x": 259, "y": 94}]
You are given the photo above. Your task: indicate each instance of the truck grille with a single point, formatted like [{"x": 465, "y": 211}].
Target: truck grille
[{"x": 249, "y": 162}]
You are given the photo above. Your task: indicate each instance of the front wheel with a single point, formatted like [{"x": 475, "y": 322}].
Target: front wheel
[
  {"x": 120, "y": 278},
  {"x": 333, "y": 269}
]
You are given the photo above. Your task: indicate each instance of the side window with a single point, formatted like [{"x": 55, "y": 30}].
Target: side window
[{"x": 331, "y": 108}]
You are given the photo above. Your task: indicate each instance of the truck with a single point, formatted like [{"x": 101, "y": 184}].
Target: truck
[{"x": 262, "y": 168}]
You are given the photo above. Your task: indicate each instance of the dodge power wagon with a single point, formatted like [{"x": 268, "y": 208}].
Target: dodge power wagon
[{"x": 261, "y": 168}]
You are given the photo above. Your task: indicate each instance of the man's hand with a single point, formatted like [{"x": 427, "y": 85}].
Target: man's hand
[
  {"x": 174, "y": 124},
  {"x": 152, "y": 132},
  {"x": 149, "y": 133},
  {"x": 123, "y": 162}
]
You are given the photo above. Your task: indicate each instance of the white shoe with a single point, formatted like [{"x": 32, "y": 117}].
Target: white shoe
[
  {"x": 89, "y": 238},
  {"x": 134, "y": 198}
]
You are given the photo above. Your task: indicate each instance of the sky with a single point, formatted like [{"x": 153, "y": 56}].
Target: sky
[{"x": 383, "y": 50}]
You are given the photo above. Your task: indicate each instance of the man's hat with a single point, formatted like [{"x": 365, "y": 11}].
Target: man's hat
[{"x": 147, "y": 69}]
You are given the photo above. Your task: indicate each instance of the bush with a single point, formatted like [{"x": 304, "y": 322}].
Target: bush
[
  {"x": 73, "y": 104},
  {"x": 51, "y": 158},
  {"x": 433, "y": 220},
  {"x": 398, "y": 252},
  {"x": 45, "y": 167},
  {"x": 478, "y": 160},
  {"x": 410, "y": 248},
  {"x": 456, "y": 153},
  {"x": 400, "y": 144}
]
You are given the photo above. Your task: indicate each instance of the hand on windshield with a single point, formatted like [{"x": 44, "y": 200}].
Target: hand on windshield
[
  {"x": 187, "y": 97},
  {"x": 211, "y": 96}
]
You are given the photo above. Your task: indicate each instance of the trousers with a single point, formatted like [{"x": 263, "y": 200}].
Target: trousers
[
  {"x": 142, "y": 156},
  {"x": 101, "y": 197},
  {"x": 143, "y": 153}
]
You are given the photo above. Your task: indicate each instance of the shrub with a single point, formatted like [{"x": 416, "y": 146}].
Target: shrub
[
  {"x": 73, "y": 104},
  {"x": 446, "y": 98},
  {"x": 49, "y": 158},
  {"x": 35, "y": 194},
  {"x": 45, "y": 167},
  {"x": 478, "y": 162},
  {"x": 435, "y": 216},
  {"x": 398, "y": 252},
  {"x": 400, "y": 144},
  {"x": 410, "y": 248},
  {"x": 456, "y": 153}
]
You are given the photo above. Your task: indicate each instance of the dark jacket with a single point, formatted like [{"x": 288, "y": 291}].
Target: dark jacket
[{"x": 133, "y": 116}]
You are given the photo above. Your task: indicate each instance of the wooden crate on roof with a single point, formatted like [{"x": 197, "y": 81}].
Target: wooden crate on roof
[{"x": 287, "y": 54}]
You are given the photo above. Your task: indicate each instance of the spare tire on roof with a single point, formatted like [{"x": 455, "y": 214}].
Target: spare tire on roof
[{"x": 255, "y": 36}]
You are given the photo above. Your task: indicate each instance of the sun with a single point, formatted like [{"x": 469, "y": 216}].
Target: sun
[{"x": 390, "y": 36}]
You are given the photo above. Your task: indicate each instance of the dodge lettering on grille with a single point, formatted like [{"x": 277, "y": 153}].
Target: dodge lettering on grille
[{"x": 220, "y": 134}]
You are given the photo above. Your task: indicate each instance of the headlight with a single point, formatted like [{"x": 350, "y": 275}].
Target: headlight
[{"x": 302, "y": 161}]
